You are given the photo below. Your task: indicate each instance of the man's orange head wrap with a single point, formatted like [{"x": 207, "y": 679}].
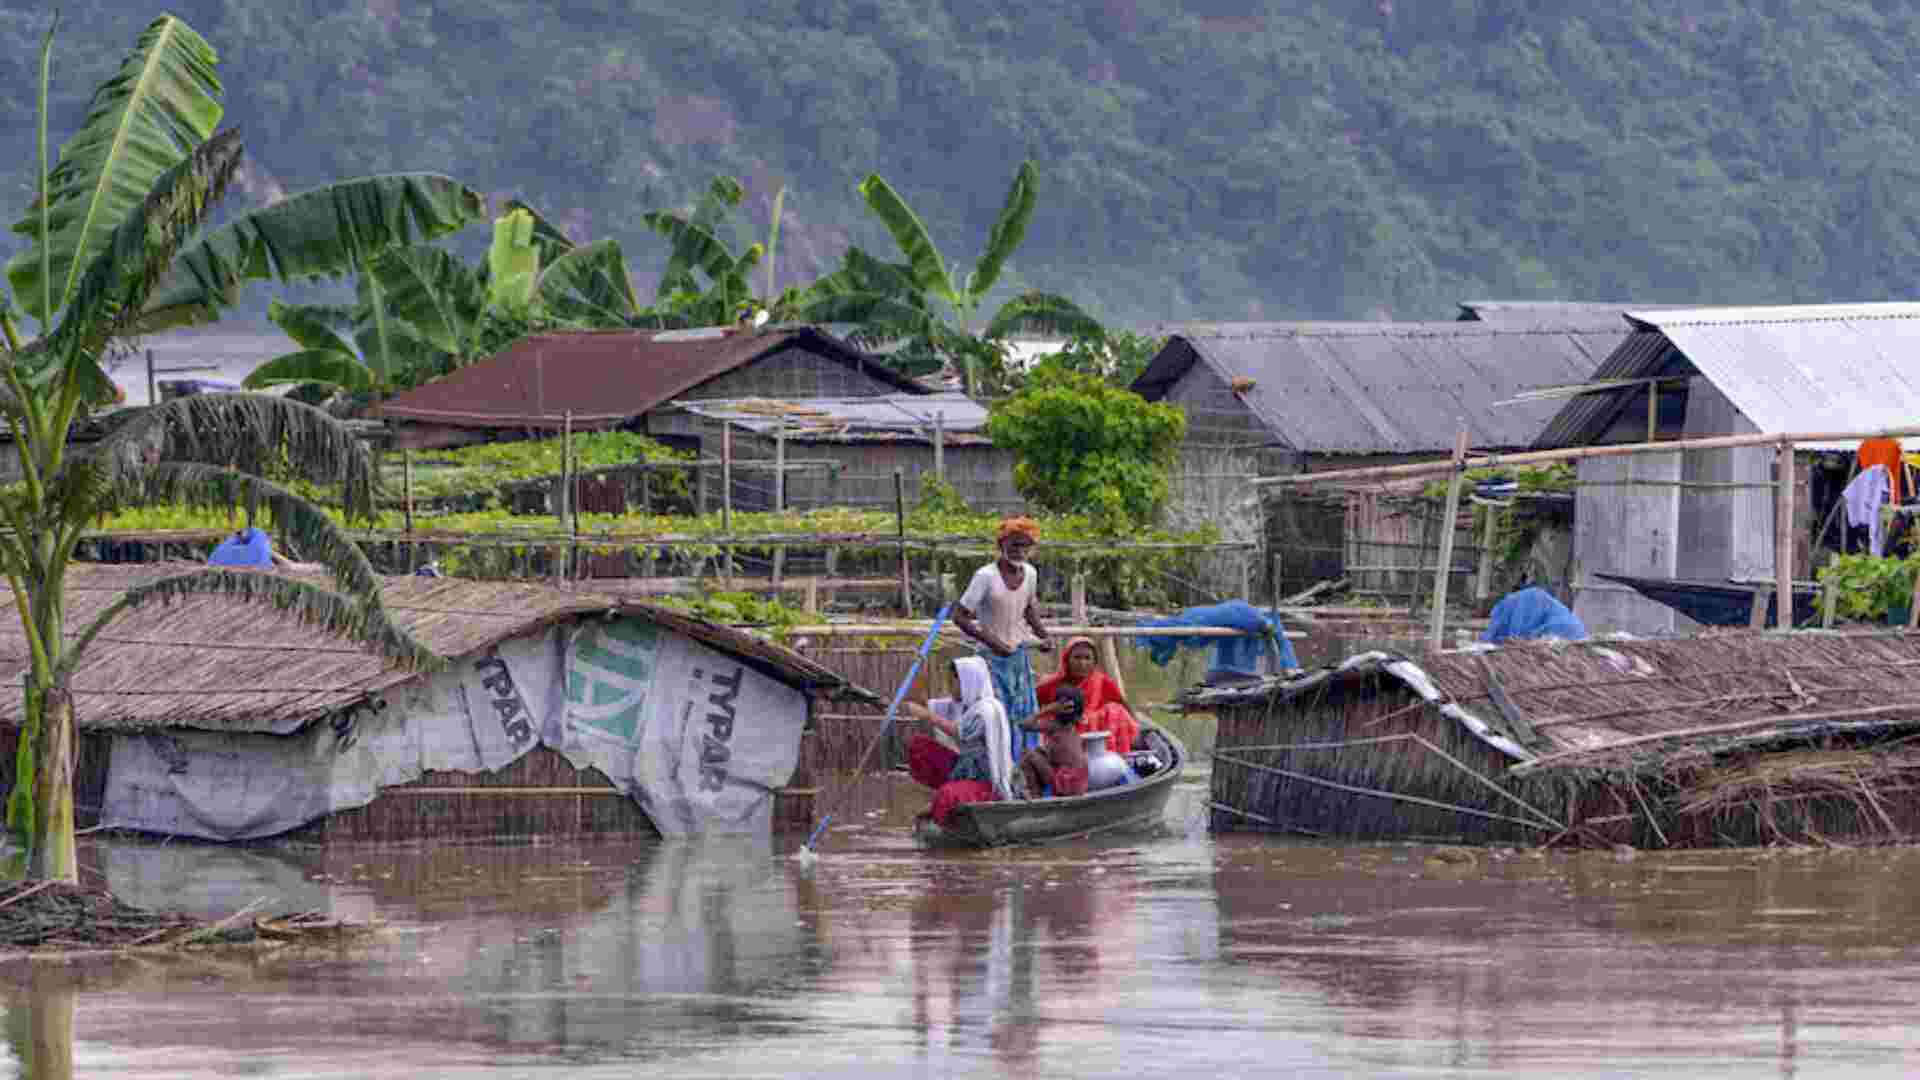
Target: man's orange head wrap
[{"x": 1019, "y": 526}]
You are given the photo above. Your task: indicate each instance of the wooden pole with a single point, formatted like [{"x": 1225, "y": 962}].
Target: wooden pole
[
  {"x": 779, "y": 494},
  {"x": 153, "y": 388},
  {"x": 726, "y": 497},
  {"x": 1653, "y": 412},
  {"x": 566, "y": 492},
  {"x": 406, "y": 493},
  {"x": 1483, "y": 578},
  {"x": 1577, "y": 453},
  {"x": 1783, "y": 538},
  {"x": 1913, "y": 604},
  {"x": 940, "y": 447},
  {"x": 900, "y": 522},
  {"x": 1078, "y": 596},
  {"x": 1447, "y": 517}
]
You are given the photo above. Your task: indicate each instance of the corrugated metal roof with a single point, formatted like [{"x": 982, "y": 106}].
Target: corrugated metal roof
[
  {"x": 1827, "y": 367},
  {"x": 851, "y": 419},
  {"x": 1583, "y": 419},
  {"x": 605, "y": 378},
  {"x": 1550, "y": 312},
  {"x": 1390, "y": 388}
]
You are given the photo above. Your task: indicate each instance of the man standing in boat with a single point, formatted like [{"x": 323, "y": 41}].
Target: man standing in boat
[{"x": 998, "y": 612}]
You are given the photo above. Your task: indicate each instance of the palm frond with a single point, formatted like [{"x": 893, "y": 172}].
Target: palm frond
[
  {"x": 118, "y": 281},
  {"x": 360, "y": 619},
  {"x": 722, "y": 195},
  {"x": 328, "y": 367},
  {"x": 320, "y": 233},
  {"x": 301, "y": 525},
  {"x": 1009, "y": 230},
  {"x": 695, "y": 247},
  {"x": 591, "y": 283},
  {"x": 163, "y": 102},
  {"x": 547, "y": 236},
  {"x": 313, "y": 326},
  {"x": 437, "y": 296},
  {"x": 929, "y": 270},
  {"x": 513, "y": 266},
  {"x": 248, "y": 432},
  {"x": 1044, "y": 313}
]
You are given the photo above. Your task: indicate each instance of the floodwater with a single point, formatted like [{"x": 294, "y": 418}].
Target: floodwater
[{"x": 1172, "y": 953}]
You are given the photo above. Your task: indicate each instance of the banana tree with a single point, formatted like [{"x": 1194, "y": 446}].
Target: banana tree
[
  {"x": 920, "y": 304},
  {"x": 119, "y": 244},
  {"x": 697, "y": 250},
  {"x": 420, "y": 312}
]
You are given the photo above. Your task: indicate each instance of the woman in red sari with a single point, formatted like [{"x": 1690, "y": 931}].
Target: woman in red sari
[{"x": 1105, "y": 709}]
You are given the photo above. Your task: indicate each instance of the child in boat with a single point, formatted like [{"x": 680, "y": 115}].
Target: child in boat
[
  {"x": 1103, "y": 707},
  {"x": 1060, "y": 761}
]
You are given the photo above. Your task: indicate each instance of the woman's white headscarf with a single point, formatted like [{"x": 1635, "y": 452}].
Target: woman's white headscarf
[{"x": 977, "y": 704}]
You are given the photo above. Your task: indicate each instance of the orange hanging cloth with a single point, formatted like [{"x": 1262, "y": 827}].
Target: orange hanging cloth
[{"x": 1885, "y": 452}]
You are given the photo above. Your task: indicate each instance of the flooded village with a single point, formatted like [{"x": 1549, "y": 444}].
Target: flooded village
[{"x": 749, "y": 651}]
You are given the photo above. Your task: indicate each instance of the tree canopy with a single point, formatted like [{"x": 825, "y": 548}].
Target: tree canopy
[{"x": 1203, "y": 158}]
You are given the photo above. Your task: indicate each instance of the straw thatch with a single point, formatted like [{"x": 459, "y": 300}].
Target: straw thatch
[
  {"x": 219, "y": 664},
  {"x": 1723, "y": 739}
]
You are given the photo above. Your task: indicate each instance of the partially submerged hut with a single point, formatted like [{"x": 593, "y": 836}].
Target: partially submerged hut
[
  {"x": 560, "y": 713},
  {"x": 1727, "y": 739}
]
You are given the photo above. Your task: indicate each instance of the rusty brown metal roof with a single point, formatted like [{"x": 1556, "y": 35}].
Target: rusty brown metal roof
[{"x": 605, "y": 378}]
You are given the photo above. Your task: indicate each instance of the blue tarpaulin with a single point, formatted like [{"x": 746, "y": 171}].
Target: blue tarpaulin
[
  {"x": 249, "y": 547},
  {"x": 1238, "y": 655},
  {"x": 1533, "y": 613}
]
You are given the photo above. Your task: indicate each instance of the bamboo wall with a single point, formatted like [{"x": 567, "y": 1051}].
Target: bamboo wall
[
  {"x": 501, "y": 805},
  {"x": 1360, "y": 806}
]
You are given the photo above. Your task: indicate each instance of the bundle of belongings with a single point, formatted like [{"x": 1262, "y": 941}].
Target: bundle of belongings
[{"x": 1235, "y": 659}]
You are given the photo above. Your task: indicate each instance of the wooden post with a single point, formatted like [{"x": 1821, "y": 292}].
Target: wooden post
[
  {"x": 1078, "y": 595},
  {"x": 1653, "y": 412},
  {"x": 940, "y": 447},
  {"x": 565, "y": 506},
  {"x": 1913, "y": 604},
  {"x": 726, "y": 499},
  {"x": 831, "y": 569},
  {"x": 1444, "y": 571},
  {"x": 1783, "y": 539},
  {"x": 1246, "y": 578},
  {"x": 1483, "y": 578},
  {"x": 779, "y": 499},
  {"x": 406, "y": 493},
  {"x": 1829, "y": 595},
  {"x": 900, "y": 523},
  {"x": 811, "y": 605},
  {"x": 153, "y": 388}
]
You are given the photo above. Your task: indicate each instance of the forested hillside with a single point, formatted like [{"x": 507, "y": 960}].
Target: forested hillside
[{"x": 1200, "y": 158}]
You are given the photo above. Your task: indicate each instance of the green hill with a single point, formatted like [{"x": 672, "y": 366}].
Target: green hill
[{"x": 1201, "y": 159}]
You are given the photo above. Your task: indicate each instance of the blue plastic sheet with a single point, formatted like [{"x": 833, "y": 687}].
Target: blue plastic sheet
[
  {"x": 250, "y": 547},
  {"x": 1239, "y": 656},
  {"x": 1532, "y": 613}
]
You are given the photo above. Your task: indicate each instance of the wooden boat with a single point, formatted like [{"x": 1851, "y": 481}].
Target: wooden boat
[
  {"x": 1140, "y": 804},
  {"x": 1713, "y": 603}
]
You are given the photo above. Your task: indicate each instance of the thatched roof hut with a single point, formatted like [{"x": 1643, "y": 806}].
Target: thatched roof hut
[
  {"x": 169, "y": 687},
  {"x": 1724, "y": 739}
]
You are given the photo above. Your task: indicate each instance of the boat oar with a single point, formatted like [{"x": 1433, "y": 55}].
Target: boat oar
[{"x": 806, "y": 852}]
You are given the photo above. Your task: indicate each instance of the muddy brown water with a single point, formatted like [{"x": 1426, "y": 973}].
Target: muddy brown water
[{"x": 1173, "y": 952}]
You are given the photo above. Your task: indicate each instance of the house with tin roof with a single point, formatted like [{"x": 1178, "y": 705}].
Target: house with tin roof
[
  {"x": 1705, "y": 519},
  {"x": 1272, "y": 398}
]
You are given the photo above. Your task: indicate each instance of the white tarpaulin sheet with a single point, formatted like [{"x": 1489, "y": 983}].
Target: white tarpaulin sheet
[{"x": 696, "y": 737}]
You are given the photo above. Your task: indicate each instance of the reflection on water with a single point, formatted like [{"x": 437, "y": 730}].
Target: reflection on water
[{"x": 1174, "y": 952}]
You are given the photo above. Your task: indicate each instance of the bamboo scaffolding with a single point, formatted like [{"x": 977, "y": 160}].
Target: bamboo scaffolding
[{"x": 1541, "y": 457}]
